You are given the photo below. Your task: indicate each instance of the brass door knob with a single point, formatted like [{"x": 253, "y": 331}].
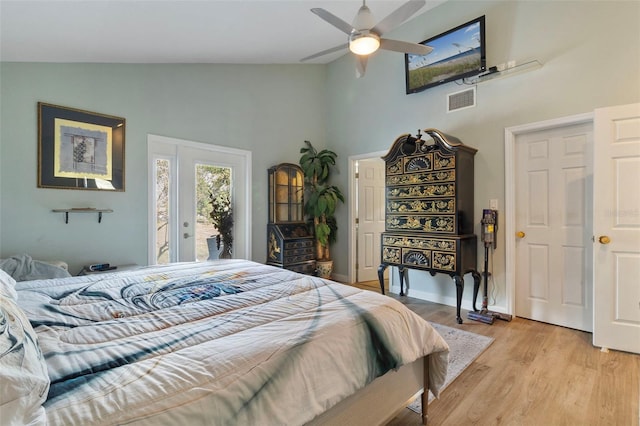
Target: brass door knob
[
  {"x": 604, "y": 239},
  {"x": 520, "y": 234}
]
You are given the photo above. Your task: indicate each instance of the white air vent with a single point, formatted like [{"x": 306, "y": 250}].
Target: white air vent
[{"x": 460, "y": 100}]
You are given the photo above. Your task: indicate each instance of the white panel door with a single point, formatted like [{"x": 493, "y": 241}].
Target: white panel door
[
  {"x": 370, "y": 217},
  {"x": 617, "y": 228},
  {"x": 553, "y": 226}
]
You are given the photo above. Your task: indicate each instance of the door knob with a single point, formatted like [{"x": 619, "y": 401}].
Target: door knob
[
  {"x": 520, "y": 234},
  {"x": 604, "y": 239}
]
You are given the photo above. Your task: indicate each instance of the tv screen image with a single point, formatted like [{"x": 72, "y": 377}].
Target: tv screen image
[{"x": 457, "y": 53}]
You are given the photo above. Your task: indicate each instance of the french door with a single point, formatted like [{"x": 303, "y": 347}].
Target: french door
[{"x": 182, "y": 175}]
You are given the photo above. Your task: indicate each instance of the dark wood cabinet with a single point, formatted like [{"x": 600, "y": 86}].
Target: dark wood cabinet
[
  {"x": 429, "y": 209},
  {"x": 290, "y": 244}
]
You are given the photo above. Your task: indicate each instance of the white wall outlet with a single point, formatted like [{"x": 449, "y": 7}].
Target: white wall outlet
[{"x": 493, "y": 204}]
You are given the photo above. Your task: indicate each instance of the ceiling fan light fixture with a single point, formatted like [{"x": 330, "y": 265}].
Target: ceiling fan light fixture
[{"x": 363, "y": 43}]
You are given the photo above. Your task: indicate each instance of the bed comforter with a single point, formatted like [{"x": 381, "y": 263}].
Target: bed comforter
[{"x": 221, "y": 342}]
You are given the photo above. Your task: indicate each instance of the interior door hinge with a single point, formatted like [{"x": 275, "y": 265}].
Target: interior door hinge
[
  {"x": 357, "y": 220},
  {"x": 357, "y": 175}
]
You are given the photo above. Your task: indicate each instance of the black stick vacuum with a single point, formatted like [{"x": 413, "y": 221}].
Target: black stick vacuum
[{"x": 489, "y": 228}]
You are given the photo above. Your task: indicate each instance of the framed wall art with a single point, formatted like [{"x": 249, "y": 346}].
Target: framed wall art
[{"x": 80, "y": 149}]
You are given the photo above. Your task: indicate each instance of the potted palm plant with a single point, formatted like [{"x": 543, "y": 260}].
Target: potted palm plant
[{"x": 321, "y": 199}]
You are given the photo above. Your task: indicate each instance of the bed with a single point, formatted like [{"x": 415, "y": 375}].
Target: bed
[{"x": 229, "y": 342}]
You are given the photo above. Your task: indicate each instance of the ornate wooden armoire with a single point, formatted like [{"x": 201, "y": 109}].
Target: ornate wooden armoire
[
  {"x": 429, "y": 209},
  {"x": 290, "y": 244}
]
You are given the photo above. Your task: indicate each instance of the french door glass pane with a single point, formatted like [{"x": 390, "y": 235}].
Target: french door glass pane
[
  {"x": 163, "y": 179},
  {"x": 211, "y": 181}
]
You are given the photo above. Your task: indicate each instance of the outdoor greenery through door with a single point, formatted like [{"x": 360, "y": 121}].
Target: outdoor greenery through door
[{"x": 211, "y": 181}]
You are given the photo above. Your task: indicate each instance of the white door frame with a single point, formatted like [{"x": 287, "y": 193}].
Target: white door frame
[
  {"x": 353, "y": 203},
  {"x": 243, "y": 235},
  {"x": 510, "y": 134}
]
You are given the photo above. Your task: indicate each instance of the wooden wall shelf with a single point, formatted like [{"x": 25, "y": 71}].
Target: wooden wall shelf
[{"x": 82, "y": 210}]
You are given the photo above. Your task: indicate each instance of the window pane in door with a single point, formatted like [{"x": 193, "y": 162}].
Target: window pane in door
[
  {"x": 211, "y": 181},
  {"x": 163, "y": 179},
  {"x": 297, "y": 191}
]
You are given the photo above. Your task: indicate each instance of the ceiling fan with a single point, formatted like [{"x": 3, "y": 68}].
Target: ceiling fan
[{"x": 365, "y": 37}]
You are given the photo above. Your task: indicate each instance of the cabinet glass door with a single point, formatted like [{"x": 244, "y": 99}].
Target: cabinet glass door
[{"x": 286, "y": 186}]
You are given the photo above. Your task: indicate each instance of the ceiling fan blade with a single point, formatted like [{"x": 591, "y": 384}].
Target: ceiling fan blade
[
  {"x": 361, "y": 65},
  {"x": 325, "y": 52},
  {"x": 405, "y": 47},
  {"x": 398, "y": 16},
  {"x": 333, "y": 20}
]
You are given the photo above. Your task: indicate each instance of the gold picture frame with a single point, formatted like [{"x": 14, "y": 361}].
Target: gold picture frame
[{"x": 80, "y": 149}]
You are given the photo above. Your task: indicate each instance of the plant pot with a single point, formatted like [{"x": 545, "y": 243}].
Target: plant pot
[
  {"x": 225, "y": 251},
  {"x": 214, "y": 251},
  {"x": 324, "y": 268}
]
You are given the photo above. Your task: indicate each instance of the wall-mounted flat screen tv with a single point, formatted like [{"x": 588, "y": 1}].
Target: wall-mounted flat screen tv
[{"x": 457, "y": 53}]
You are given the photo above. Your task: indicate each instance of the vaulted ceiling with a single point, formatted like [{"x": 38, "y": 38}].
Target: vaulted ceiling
[{"x": 176, "y": 31}]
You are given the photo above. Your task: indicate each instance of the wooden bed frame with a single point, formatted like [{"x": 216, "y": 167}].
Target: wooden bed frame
[{"x": 382, "y": 399}]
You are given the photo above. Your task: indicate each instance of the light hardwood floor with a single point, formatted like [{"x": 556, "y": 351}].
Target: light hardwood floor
[{"x": 532, "y": 374}]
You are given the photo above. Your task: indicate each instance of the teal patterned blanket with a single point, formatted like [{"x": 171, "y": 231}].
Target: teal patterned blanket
[{"x": 221, "y": 342}]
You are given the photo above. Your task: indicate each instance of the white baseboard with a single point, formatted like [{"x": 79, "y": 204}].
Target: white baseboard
[
  {"x": 340, "y": 278},
  {"x": 467, "y": 302},
  {"x": 445, "y": 300}
]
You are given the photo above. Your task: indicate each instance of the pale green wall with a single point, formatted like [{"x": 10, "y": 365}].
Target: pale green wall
[
  {"x": 591, "y": 58},
  {"x": 268, "y": 109}
]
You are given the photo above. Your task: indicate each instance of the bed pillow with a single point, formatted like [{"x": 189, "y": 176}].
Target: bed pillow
[
  {"x": 24, "y": 381},
  {"x": 7, "y": 286}
]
